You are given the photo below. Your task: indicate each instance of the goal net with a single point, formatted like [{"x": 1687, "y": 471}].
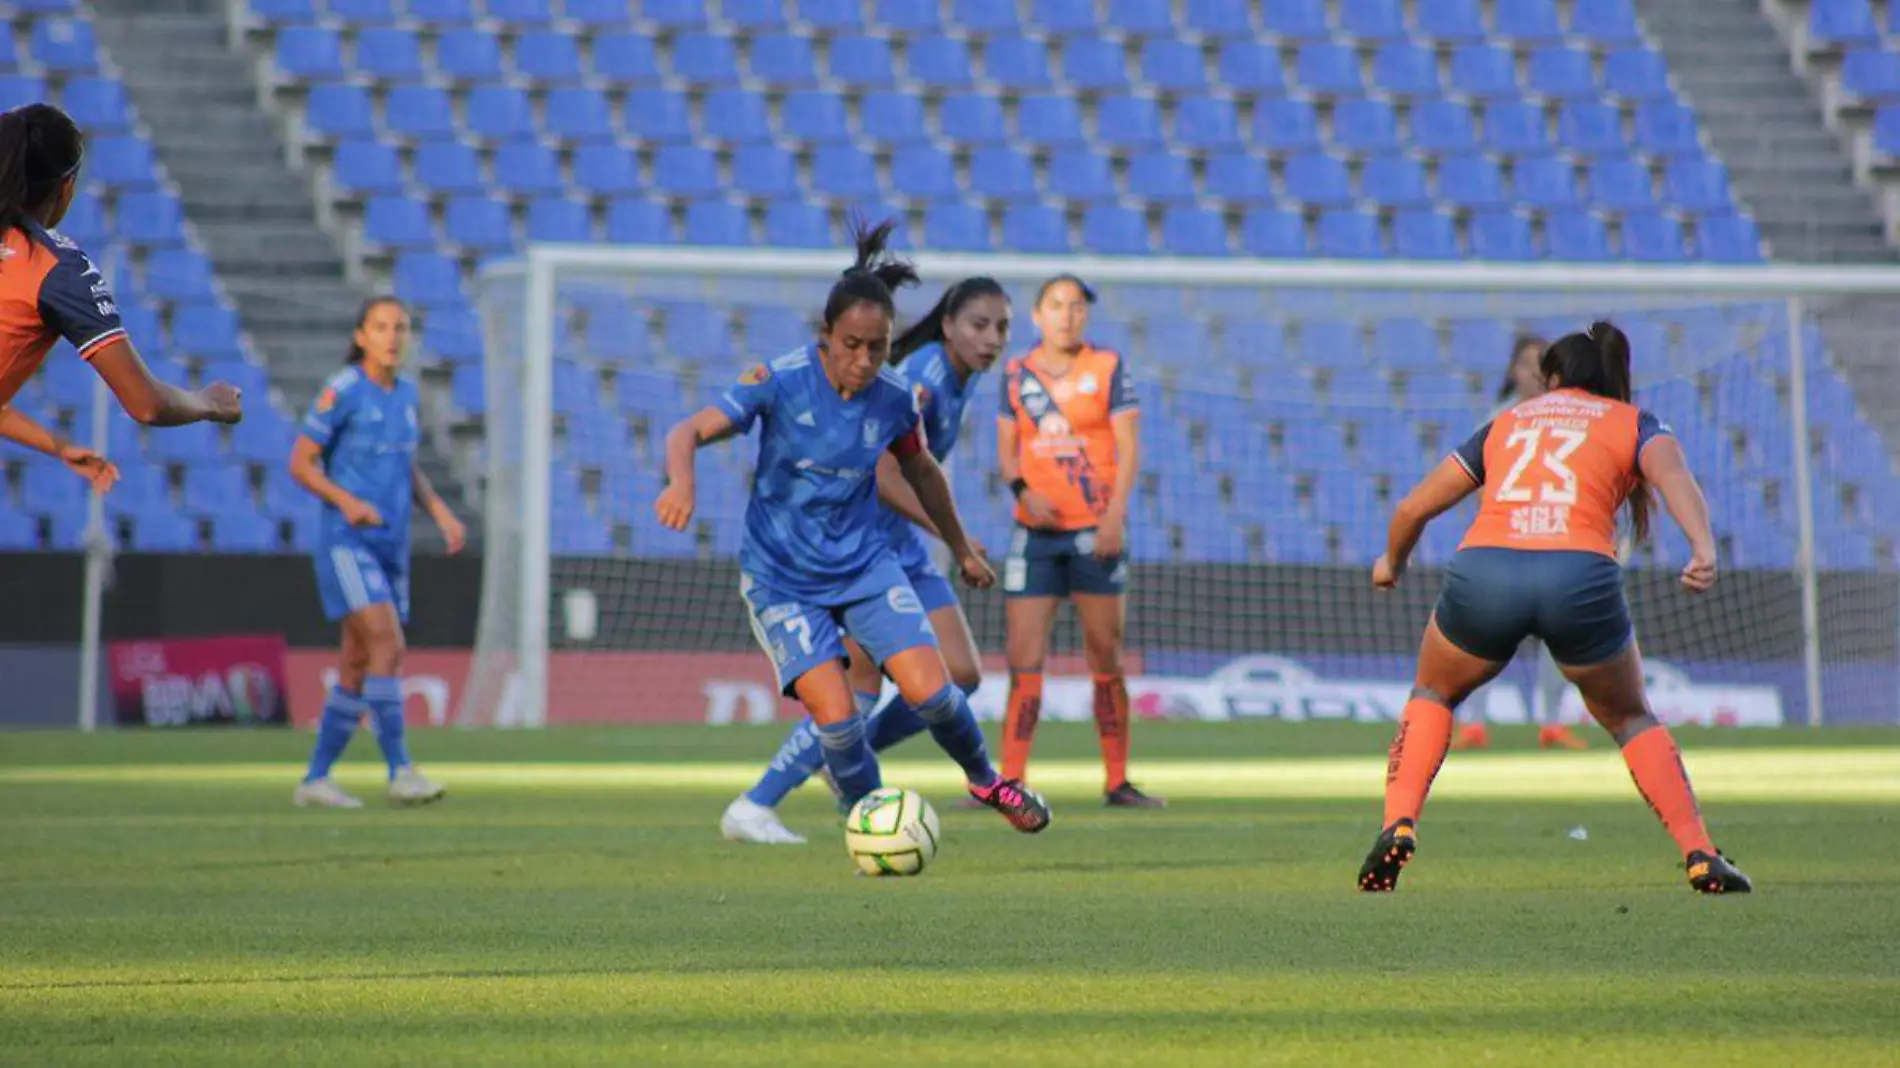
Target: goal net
[{"x": 1285, "y": 409}]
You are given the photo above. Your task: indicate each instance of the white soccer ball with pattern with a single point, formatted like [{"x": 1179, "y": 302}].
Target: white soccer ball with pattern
[{"x": 892, "y": 832}]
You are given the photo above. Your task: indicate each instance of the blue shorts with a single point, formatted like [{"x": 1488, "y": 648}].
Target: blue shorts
[
  {"x": 1057, "y": 563},
  {"x": 1495, "y": 598},
  {"x": 353, "y": 576},
  {"x": 800, "y": 636},
  {"x": 932, "y": 588}
]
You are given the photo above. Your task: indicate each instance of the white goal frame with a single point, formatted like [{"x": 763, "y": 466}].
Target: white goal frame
[{"x": 543, "y": 265}]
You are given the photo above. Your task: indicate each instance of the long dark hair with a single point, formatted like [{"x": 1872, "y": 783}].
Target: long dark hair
[
  {"x": 1518, "y": 344},
  {"x": 1598, "y": 362},
  {"x": 40, "y": 147},
  {"x": 873, "y": 277},
  {"x": 929, "y": 329},
  {"x": 356, "y": 353}
]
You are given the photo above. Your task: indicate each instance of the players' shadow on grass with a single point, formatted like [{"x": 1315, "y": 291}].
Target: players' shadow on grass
[{"x": 1135, "y": 863}]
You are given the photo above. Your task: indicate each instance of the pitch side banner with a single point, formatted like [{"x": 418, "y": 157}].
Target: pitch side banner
[{"x": 199, "y": 682}]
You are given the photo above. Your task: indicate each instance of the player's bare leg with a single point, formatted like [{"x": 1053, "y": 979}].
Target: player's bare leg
[
  {"x": 1613, "y": 692},
  {"x": 1104, "y": 620},
  {"x": 343, "y": 713},
  {"x": 1446, "y": 676},
  {"x": 1547, "y": 695},
  {"x": 379, "y": 629}
]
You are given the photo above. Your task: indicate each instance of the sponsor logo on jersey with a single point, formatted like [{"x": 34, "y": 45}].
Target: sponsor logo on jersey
[
  {"x": 1088, "y": 385},
  {"x": 327, "y": 399},
  {"x": 754, "y": 375},
  {"x": 804, "y": 419},
  {"x": 903, "y": 599}
]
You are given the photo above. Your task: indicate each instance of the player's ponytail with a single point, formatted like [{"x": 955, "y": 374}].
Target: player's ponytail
[
  {"x": 1598, "y": 362},
  {"x": 356, "y": 353},
  {"x": 873, "y": 276},
  {"x": 929, "y": 329},
  {"x": 40, "y": 148}
]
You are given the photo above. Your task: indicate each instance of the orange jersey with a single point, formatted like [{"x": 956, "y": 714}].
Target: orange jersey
[
  {"x": 1552, "y": 472},
  {"x": 1065, "y": 436},
  {"x": 49, "y": 289}
]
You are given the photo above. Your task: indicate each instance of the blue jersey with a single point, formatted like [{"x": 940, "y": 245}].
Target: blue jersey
[
  {"x": 941, "y": 395},
  {"x": 368, "y": 435},
  {"x": 813, "y": 528}
]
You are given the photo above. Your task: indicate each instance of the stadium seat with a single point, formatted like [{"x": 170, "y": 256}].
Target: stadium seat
[
  {"x": 658, "y": 116},
  {"x": 813, "y": 117},
  {"x": 520, "y": 14},
  {"x": 1611, "y": 22},
  {"x": 1576, "y": 237},
  {"x": 1562, "y": 73},
  {"x": 1318, "y": 180},
  {"x": 1114, "y": 231},
  {"x": 478, "y": 224},
  {"x": 1404, "y": 69},
  {"x": 1160, "y": 178},
  {"x": 1424, "y": 235},
  {"x": 20, "y": 89},
  {"x": 1697, "y": 186},
  {"x": 1840, "y": 23},
  {"x": 551, "y": 58},
  {"x": 1035, "y": 229},
  {"x": 1547, "y": 184},
  {"x": 685, "y": 171},
  {"x": 1527, "y": 22},
  {"x": 1173, "y": 66},
  {"x": 861, "y": 62},
  {"x": 366, "y": 12},
  {"x": 1128, "y": 123},
  {"x": 497, "y": 113},
  {"x": 924, "y": 174},
  {"x": 392, "y": 54},
  {"x": 164, "y": 532},
  {"x": 206, "y": 332},
  {"x": 282, "y": 12},
  {"x": 894, "y": 120},
  {"x": 828, "y": 15},
  {"x": 1365, "y": 126},
  {"x": 1053, "y": 122},
  {"x": 1296, "y": 20},
  {"x": 1449, "y": 21},
  {"x": 1484, "y": 71},
  {"x": 1285, "y": 126},
  {"x": 1513, "y": 128},
  {"x": 179, "y": 275},
  {"x": 1394, "y": 182},
  {"x": 124, "y": 162},
  {"x": 427, "y": 279},
  {"x": 1081, "y": 176},
  {"x": 716, "y": 222},
  {"x": 1007, "y": 175},
  {"x": 626, "y": 59},
  {"x": 556, "y": 218},
  {"x": 1871, "y": 74},
  {"x": 1206, "y": 124},
  {"x": 1443, "y": 127},
  {"x": 1350, "y": 235},
  {"x": 1636, "y": 74},
  {"x": 1251, "y": 67},
  {"x": 1058, "y": 18},
  {"x": 98, "y": 105},
  {"x": 1020, "y": 63},
  {"x": 940, "y": 63},
  {"x": 419, "y": 113},
  {"x": 706, "y": 60},
  {"x": 1653, "y": 238},
  {"x": 1591, "y": 129},
  {"x": 1187, "y": 231},
  {"x": 795, "y": 224},
  {"x": 844, "y": 173},
  {"x": 1621, "y": 185},
  {"x": 957, "y": 228},
  {"x": 1274, "y": 234},
  {"x": 1328, "y": 69},
  {"x": 63, "y": 45},
  {"x": 447, "y": 168},
  {"x": 670, "y": 14},
  {"x": 1372, "y": 20},
  {"x": 1729, "y": 239},
  {"x": 605, "y": 170},
  {"x": 339, "y": 112},
  {"x": 1220, "y": 18},
  {"x": 1471, "y": 182},
  {"x": 1238, "y": 178},
  {"x": 1094, "y": 65},
  {"x": 1665, "y": 128},
  {"x": 241, "y": 533},
  {"x": 974, "y": 120},
  {"x": 577, "y": 114},
  {"x": 442, "y": 14},
  {"x": 151, "y": 219},
  {"x": 528, "y": 170}
]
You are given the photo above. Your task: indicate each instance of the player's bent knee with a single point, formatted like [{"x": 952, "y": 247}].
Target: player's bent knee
[
  {"x": 1426, "y": 693},
  {"x": 967, "y": 680}
]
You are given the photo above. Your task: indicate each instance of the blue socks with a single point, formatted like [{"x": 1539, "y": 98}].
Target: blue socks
[
  {"x": 383, "y": 695},
  {"x": 953, "y": 725},
  {"x": 849, "y": 758},
  {"x": 895, "y": 722},
  {"x": 341, "y": 711},
  {"x": 797, "y": 759}
]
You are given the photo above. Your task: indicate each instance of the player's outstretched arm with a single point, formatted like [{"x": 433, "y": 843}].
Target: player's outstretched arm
[
  {"x": 154, "y": 403},
  {"x": 1666, "y": 468},
  {"x": 306, "y": 469},
  {"x": 453, "y": 533},
  {"x": 1435, "y": 495},
  {"x": 704, "y": 427},
  {"x": 22, "y": 429},
  {"x": 926, "y": 478}
]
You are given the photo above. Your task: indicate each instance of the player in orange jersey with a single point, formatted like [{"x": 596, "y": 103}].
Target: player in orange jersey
[
  {"x": 1068, "y": 444},
  {"x": 1540, "y": 561},
  {"x": 50, "y": 289}
]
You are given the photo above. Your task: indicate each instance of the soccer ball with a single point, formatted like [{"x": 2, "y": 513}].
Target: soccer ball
[{"x": 892, "y": 832}]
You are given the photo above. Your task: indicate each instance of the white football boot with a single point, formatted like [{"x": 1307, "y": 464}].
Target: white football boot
[
  {"x": 409, "y": 787},
  {"x": 748, "y": 821},
  {"x": 323, "y": 793}
]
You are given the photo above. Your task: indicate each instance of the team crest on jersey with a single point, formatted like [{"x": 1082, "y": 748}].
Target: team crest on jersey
[
  {"x": 921, "y": 394},
  {"x": 1088, "y": 385},
  {"x": 872, "y": 428},
  {"x": 754, "y": 375},
  {"x": 327, "y": 399}
]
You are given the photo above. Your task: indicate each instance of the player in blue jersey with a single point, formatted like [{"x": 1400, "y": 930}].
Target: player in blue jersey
[
  {"x": 357, "y": 454},
  {"x": 816, "y": 561},
  {"x": 939, "y": 356}
]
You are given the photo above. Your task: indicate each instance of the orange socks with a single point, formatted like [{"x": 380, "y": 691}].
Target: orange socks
[
  {"x": 1417, "y": 751},
  {"x": 1656, "y": 765},
  {"x": 1111, "y": 722},
  {"x": 1019, "y": 723}
]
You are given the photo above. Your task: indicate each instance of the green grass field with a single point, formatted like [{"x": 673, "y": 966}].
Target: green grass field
[{"x": 572, "y": 903}]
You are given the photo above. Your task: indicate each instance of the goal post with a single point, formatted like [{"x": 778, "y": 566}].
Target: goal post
[{"x": 1321, "y": 389}]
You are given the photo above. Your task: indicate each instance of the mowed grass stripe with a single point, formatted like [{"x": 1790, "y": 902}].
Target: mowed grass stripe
[{"x": 1796, "y": 774}]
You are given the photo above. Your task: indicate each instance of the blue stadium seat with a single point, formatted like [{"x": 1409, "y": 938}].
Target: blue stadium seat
[
  {"x": 1128, "y": 123},
  {"x": 1094, "y": 65},
  {"x": 1443, "y": 127},
  {"x": 843, "y": 173},
  {"x": 1424, "y": 235},
  {"x": 1081, "y": 176},
  {"x": 64, "y": 46},
  {"x": 1575, "y": 236},
  {"x": 710, "y": 59},
  {"x": 527, "y": 169},
  {"x": 715, "y": 222},
  {"x": 1587, "y": 128},
  {"x": 1174, "y": 67},
  {"x": 389, "y": 54},
  {"x": 1251, "y": 67},
  {"x": 894, "y": 119},
  {"x": 577, "y": 114},
  {"x": 1285, "y": 126},
  {"x": 164, "y": 532},
  {"x": 210, "y": 489},
  {"x": 1666, "y": 128},
  {"x": 1729, "y": 239},
  {"x": 1018, "y": 63},
  {"x": 1699, "y": 186},
  {"x": 1188, "y": 231},
  {"x": 445, "y": 168},
  {"x": 1203, "y": 123},
  {"x": 453, "y": 333},
  {"x": 1373, "y": 20},
  {"x": 940, "y": 62},
  {"x": 1471, "y": 182},
  {"x": 496, "y": 113},
  {"x": 151, "y": 219},
  {"x": 478, "y": 224},
  {"x": 46, "y": 486},
  {"x": 1114, "y": 231},
  {"x": 339, "y": 112},
  {"x": 796, "y": 224},
  {"x": 1527, "y": 21},
  {"x": 1871, "y": 74},
  {"x": 1297, "y": 20},
  {"x": 830, "y": 15},
  {"x": 427, "y": 279},
  {"x": 1887, "y": 130},
  {"x": 605, "y": 170},
  {"x": 310, "y": 54},
  {"x": 1842, "y": 22},
  {"x": 1394, "y": 182},
  {"x": 1562, "y": 73},
  {"x": 189, "y": 444},
  {"x": 442, "y": 14},
  {"x": 520, "y": 14},
  {"x": 909, "y": 16},
  {"x": 626, "y": 59},
  {"x": 685, "y": 170},
  {"x": 1621, "y": 185},
  {"x": 419, "y": 113},
  {"x": 1484, "y": 70},
  {"x": 548, "y": 57},
  {"x": 1318, "y": 180},
  {"x": 241, "y": 533},
  {"x": 98, "y": 105},
  {"x": 1350, "y": 235},
  {"x": 282, "y": 12},
  {"x": 1035, "y": 229},
  {"x": 125, "y": 162},
  {"x": 1610, "y": 22},
  {"x": 1365, "y": 126},
  {"x": 1238, "y": 178},
  {"x": 861, "y": 62},
  {"x": 1054, "y": 122},
  {"x": 985, "y": 16},
  {"x": 1221, "y": 18},
  {"x": 397, "y": 223},
  {"x": 670, "y": 14},
  {"x": 1513, "y": 128},
  {"x": 764, "y": 172},
  {"x": 816, "y": 117},
  {"x": 1142, "y": 18},
  {"x": 1547, "y": 184},
  {"x": 660, "y": 116},
  {"x": 924, "y": 174},
  {"x": 1002, "y": 174},
  {"x": 20, "y": 89},
  {"x": 246, "y": 376},
  {"x": 180, "y": 275},
  {"x": 1449, "y": 21},
  {"x": 142, "y": 487},
  {"x": 957, "y": 228},
  {"x": 612, "y": 14},
  {"x": 556, "y": 218},
  {"x": 85, "y": 221},
  {"x": 1058, "y": 18},
  {"x": 1328, "y": 69},
  {"x": 1274, "y": 234},
  {"x": 1404, "y": 69},
  {"x": 1636, "y": 74},
  {"x": 468, "y": 390},
  {"x": 1159, "y": 178},
  {"x": 1653, "y": 238}
]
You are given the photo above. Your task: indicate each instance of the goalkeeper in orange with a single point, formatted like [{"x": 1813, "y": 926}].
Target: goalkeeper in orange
[{"x": 1540, "y": 561}]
